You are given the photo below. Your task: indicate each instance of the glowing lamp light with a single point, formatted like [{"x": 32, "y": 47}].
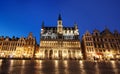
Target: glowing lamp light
[
  {"x": 80, "y": 54},
  {"x": 56, "y": 54},
  {"x": 2, "y": 54},
  {"x": 11, "y": 56},
  {"x": 41, "y": 55},
  {"x": 117, "y": 56},
  {"x": 29, "y": 47},
  {"x": 64, "y": 54},
  {"x": 37, "y": 54},
  {"x": 110, "y": 55}
]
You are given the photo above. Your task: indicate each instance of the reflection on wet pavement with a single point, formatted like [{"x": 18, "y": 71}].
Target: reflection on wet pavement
[{"x": 58, "y": 67}]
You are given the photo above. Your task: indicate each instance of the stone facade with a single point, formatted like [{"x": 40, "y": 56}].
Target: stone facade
[
  {"x": 59, "y": 42},
  {"x": 101, "y": 45},
  {"x": 17, "y": 47}
]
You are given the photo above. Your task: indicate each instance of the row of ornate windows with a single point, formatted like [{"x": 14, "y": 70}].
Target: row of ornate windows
[
  {"x": 88, "y": 39},
  {"x": 9, "y": 48},
  {"x": 56, "y": 37},
  {"x": 89, "y": 43},
  {"x": 90, "y": 49},
  {"x": 17, "y": 43},
  {"x": 56, "y": 43},
  {"x": 110, "y": 45},
  {"x": 106, "y": 40}
]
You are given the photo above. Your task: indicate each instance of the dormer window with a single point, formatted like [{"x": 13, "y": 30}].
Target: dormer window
[{"x": 96, "y": 34}]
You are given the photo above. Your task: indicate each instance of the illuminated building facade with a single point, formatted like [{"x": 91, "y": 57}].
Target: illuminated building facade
[
  {"x": 17, "y": 47},
  {"x": 101, "y": 45},
  {"x": 59, "y": 42}
]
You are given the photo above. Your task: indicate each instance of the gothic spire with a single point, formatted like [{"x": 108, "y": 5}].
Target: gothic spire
[
  {"x": 75, "y": 25},
  {"x": 59, "y": 17},
  {"x": 43, "y": 24}
]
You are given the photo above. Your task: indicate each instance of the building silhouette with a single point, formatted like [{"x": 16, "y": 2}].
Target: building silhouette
[
  {"x": 101, "y": 45},
  {"x": 59, "y": 42},
  {"x": 17, "y": 47}
]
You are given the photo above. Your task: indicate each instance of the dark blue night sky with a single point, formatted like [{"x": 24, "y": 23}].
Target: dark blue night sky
[{"x": 19, "y": 17}]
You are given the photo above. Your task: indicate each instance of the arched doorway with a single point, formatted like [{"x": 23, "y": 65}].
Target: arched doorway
[
  {"x": 60, "y": 54},
  {"x": 69, "y": 53},
  {"x": 46, "y": 54},
  {"x": 50, "y": 54}
]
